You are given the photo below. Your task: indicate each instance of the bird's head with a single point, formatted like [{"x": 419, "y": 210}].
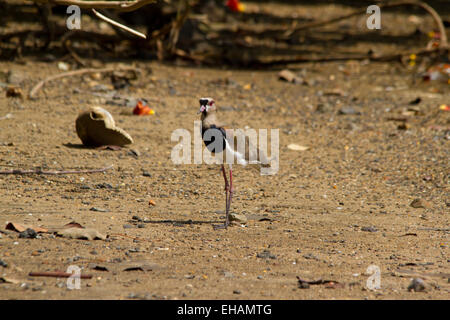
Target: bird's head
[{"x": 207, "y": 105}]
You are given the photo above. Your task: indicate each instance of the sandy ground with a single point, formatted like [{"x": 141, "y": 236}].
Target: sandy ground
[{"x": 332, "y": 210}]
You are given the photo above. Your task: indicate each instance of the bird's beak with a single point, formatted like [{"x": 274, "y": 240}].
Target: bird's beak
[{"x": 202, "y": 109}]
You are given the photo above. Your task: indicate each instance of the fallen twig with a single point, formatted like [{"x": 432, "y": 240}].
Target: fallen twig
[
  {"x": 37, "y": 87},
  {"x": 55, "y": 172},
  {"x": 116, "y": 5},
  {"x": 304, "y": 284},
  {"x": 119, "y": 25},
  {"x": 59, "y": 274}
]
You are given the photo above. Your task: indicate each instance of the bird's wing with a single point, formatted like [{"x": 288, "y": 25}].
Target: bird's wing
[{"x": 251, "y": 153}]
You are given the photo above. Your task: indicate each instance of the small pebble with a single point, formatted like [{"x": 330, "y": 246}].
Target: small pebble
[
  {"x": 369, "y": 229},
  {"x": 98, "y": 209},
  {"x": 348, "y": 111},
  {"x": 239, "y": 218},
  {"x": 417, "y": 285},
  {"x": 266, "y": 254},
  {"x": 420, "y": 203},
  {"x": 28, "y": 234}
]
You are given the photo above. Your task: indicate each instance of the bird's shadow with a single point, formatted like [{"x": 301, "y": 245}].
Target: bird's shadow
[
  {"x": 76, "y": 146},
  {"x": 82, "y": 146}
]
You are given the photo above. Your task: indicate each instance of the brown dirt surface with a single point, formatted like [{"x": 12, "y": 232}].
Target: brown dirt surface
[{"x": 332, "y": 210}]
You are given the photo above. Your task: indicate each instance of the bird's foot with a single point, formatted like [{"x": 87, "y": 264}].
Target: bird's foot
[{"x": 221, "y": 226}]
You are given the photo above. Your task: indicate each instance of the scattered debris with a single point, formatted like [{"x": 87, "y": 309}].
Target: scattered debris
[
  {"x": 14, "y": 92},
  {"x": 142, "y": 109},
  {"x": 266, "y": 254},
  {"x": 3, "y": 264},
  {"x": 403, "y": 126},
  {"x": 55, "y": 172},
  {"x": 348, "y": 111},
  {"x": 440, "y": 72},
  {"x": 444, "y": 107},
  {"x": 134, "y": 152},
  {"x": 235, "y": 6},
  {"x": 63, "y": 66},
  {"x": 369, "y": 229},
  {"x": 7, "y": 116},
  {"x": 336, "y": 92},
  {"x": 310, "y": 256}
]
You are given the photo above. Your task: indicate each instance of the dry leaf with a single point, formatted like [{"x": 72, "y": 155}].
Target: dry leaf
[
  {"x": 73, "y": 224},
  {"x": 289, "y": 76},
  {"x": 22, "y": 227},
  {"x": 297, "y": 147},
  {"x": 8, "y": 280}
]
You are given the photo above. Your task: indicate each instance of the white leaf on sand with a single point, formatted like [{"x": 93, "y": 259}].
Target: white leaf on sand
[
  {"x": 77, "y": 233},
  {"x": 297, "y": 147}
]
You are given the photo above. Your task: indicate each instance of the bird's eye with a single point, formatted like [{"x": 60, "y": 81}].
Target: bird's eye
[{"x": 211, "y": 102}]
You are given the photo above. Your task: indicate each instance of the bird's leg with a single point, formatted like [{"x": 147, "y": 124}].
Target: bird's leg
[
  {"x": 230, "y": 193},
  {"x": 226, "y": 199},
  {"x": 225, "y": 178},
  {"x": 227, "y": 189}
]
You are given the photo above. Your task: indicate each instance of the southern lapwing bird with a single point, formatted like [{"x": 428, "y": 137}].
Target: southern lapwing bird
[{"x": 219, "y": 139}]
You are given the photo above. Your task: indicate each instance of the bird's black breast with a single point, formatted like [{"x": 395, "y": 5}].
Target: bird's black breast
[{"x": 214, "y": 138}]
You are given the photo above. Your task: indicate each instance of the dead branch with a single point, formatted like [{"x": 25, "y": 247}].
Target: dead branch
[
  {"x": 124, "y": 6},
  {"x": 426, "y": 7},
  {"x": 55, "y": 172},
  {"x": 37, "y": 87}
]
